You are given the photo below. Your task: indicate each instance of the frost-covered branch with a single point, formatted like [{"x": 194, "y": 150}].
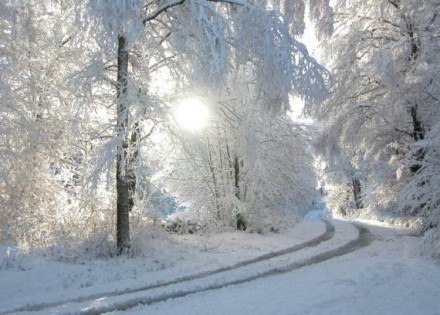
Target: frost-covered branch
[
  {"x": 234, "y": 2},
  {"x": 161, "y": 9}
]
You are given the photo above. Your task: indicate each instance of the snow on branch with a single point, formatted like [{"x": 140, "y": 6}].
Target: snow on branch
[
  {"x": 102, "y": 163},
  {"x": 116, "y": 17},
  {"x": 311, "y": 81},
  {"x": 282, "y": 64},
  {"x": 164, "y": 7}
]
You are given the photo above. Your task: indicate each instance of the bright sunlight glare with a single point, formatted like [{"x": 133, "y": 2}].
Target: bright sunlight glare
[{"x": 191, "y": 114}]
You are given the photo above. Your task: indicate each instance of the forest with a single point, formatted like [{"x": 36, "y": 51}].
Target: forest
[{"x": 116, "y": 114}]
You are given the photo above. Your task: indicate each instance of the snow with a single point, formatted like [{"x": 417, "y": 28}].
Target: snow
[
  {"x": 320, "y": 211},
  {"x": 387, "y": 276}
]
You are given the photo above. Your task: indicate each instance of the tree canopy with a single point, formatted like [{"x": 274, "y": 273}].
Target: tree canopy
[{"x": 91, "y": 151}]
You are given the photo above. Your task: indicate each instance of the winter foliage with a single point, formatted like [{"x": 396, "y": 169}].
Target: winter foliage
[
  {"x": 91, "y": 154},
  {"x": 88, "y": 88},
  {"x": 380, "y": 123}
]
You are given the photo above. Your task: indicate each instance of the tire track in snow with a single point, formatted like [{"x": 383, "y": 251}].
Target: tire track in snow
[
  {"x": 365, "y": 237},
  {"x": 327, "y": 235}
]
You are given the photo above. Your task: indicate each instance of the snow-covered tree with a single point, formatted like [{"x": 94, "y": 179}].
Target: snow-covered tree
[
  {"x": 384, "y": 60},
  {"x": 195, "y": 40},
  {"x": 85, "y": 84},
  {"x": 241, "y": 165},
  {"x": 35, "y": 116}
]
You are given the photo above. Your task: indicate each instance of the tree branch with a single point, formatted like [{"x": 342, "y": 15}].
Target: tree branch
[
  {"x": 149, "y": 133},
  {"x": 395, "y": 3},
  {"x": 65, "y": 41},
  {"x": 432, "y": 96},
  {"x": 237, "y": 2},
  {"x": 174, "y": 3},
  {"x": 162, "y": 9}
]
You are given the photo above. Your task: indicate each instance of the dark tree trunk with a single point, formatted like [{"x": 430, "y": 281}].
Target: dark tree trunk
[
  {"x": 415, "y": 43},
  {"x": 122, "y": 181},
  {"x": 237, "y": 177},
  {"x": 418, "y": 134},
  {"x": 357, "y": 192},
  {"x": 241, "y": 223},
  {"x": 131, "y": 174},
  {"x": 214, "y": 180},
  {"x": 418, "y": 129}
]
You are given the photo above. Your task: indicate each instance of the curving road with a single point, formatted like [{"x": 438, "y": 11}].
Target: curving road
[{"x": 262, "y": 266}]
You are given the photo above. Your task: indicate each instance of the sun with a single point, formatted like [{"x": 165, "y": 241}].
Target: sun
[{"x": 191, "y": 114}]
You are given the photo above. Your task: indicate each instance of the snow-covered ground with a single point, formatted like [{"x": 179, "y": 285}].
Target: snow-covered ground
[{"x": 387, "y": 276}]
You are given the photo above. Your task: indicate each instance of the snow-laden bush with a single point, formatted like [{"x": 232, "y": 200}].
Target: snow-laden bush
[
  {"x": 190, "y": 221},
  {"x": 421, "y": 195},
  {"x": 11, "y": 257},
  {"x": 275, "y": 220},
  {"x": 151, "y": 240},
  {"x": 431, "y": 245},
  {"x": 259, "y": 220},
  {"x": 96, "y": 245}
]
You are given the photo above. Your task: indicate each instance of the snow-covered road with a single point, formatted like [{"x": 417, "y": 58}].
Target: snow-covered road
[
  {"x": 372, "y": 280},
  {"x": 334, "y": 269},
  {"x": 387, "y": 277}
]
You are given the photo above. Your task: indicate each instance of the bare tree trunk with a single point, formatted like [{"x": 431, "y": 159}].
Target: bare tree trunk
[
  {"x": 214, "y": 180},
  {"x": 241, "y": 223},
  {"x": 237, "y": 177},
  {"x": 418, "y": 129},
  {"x": 357, "y": 192},
  {"x": 131, "y": 173},
  {"x": 414, "y": 41},
  {"x": 122, "y": 181}
]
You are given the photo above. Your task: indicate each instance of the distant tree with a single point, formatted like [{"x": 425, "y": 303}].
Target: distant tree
[{"x": 245, "y": 160}]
